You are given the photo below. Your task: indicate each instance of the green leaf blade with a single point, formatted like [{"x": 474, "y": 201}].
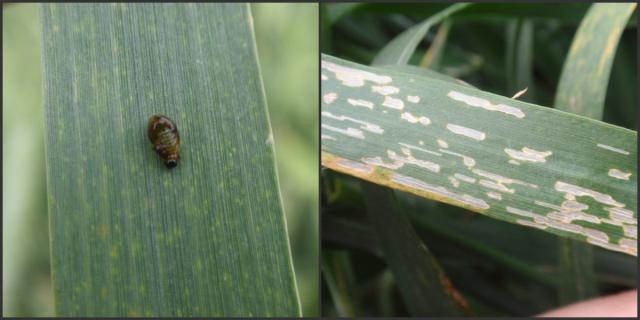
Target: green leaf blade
[
  {"x": 354, "y": 113},
  {"x": 585, "y": 74},
  {"x": 426, "y": 289},
  {"x": 400, "y": 49},
  {"x": 339, "y": 278},
  {"x": 130, "y": 237},
  {"x": 582, "y": 90}
]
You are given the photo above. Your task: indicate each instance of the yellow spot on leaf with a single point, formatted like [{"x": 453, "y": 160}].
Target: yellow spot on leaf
[{"x": 103, "y": 230}]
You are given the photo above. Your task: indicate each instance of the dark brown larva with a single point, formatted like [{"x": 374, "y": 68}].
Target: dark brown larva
[{"x": 163, "y": 133}]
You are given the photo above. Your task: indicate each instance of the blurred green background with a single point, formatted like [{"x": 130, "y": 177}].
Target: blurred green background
[{"x": 289, "y": 63}]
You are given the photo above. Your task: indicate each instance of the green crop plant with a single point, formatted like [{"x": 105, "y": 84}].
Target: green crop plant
[
  {"x": 128, "y": 236},
  {"x": 483, "y": 155}
]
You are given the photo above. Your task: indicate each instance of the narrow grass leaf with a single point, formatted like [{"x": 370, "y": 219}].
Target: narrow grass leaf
[
  {"x": 519, "y": 58},
  {"x": 487, "y": 251},
  {"x": 343, "y": 232},
  {"x": 433, "y": 55},
  {"x": 585, "y": 74},
  {"x": 508, "y": 159},
  {"x": 425, "y": 288},
  {"x": 335, "y": 11},
  {"x": 130, "y": 237},
  {"x": 400, "y": 49},
  {"x": 576, "y": 272},
  {"x": 339, "y": 277},
  {"x": 582, "y": 90}
]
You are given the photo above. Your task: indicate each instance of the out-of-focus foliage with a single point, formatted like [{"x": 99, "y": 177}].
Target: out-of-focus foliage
[
  {"x": 287, "y": 37},
  {"x": 288, "y": 58},
  {"x": 25, "y": 241}
]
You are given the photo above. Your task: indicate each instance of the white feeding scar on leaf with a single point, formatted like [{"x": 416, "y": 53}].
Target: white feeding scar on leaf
[
  {"x": 365, "y": 125},
  {"x": 611, "y": 222},
  {"x": 329, "y": 97},
  {"x": 360, "y": 103},
  {"x": 439, "y": 190},
  {"x": 442, "y": 143},
  {"x": 327, "y": 137},
  {"x": 628, "y": 243},
  {"x": 353, "y": 77},
  {"x": 596, "y": 234},
  {"x": 413, "y": 99},
  {"x": 573, "y": 228},
  {"x": 630, "y": 231},
  {"x": 393, "y": 103},
  {"x": 578, "y": 191},
  {"x": 547, "y": 205},
  {"x": 611, "y": 246},
  {"x": 385, "y": 90},
  {"x": 399, "y": 161},
  {"x": 419, "y": 149},
  {"x": 377, "y": 161},
  {"x": 413, "y": 119},
  {"x": 530, "y": 224},
  {"x": 465, "y": 178},
  {"x": 351, "y": 132},
  {"x": 622, "y": 215},
  {"x": 573, "y": 210},
  {"x": 521, "y": 212},
  {"x": 500, "y": 179},
  {"x": 485, "y": 104},
  {"x": 566, "y": 227},
  {"x": 467, "y": 132},
  {"x": 434, "y": 167},
  {"x": 528, "y": 154},
  {"x": 593, "y": 236},
  {"x": 494, "y": 195},
  {"x": 454, "y": 181},
  {"x": 573, "y": 205},
  {"x": 468, "y": 161},
  {"x": 614, "y": 149},
  {"x": 495, "y": 186},
  {"x": 615, "y": 173},
  {"x": 355, "y": 166}
]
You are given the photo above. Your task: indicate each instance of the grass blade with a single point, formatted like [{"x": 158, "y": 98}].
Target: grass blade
[
  {"x": 576, "y": 271},
  {"x": 585, "y": 74},
  {"x": 335, "y": 11},
  {"x": 582, "y": 90},
  {"x": 338, "y": 275},
  {"x": 25, "y": 252},
  {"x": 493, "y": 155},
  {"x": 424, "y": 286},
  {"x": 400, "y": 49},
  {"x": 432, "y": 57},
  {"x": 520, "y": 58},
  {"x": 128, "y": 236}
]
